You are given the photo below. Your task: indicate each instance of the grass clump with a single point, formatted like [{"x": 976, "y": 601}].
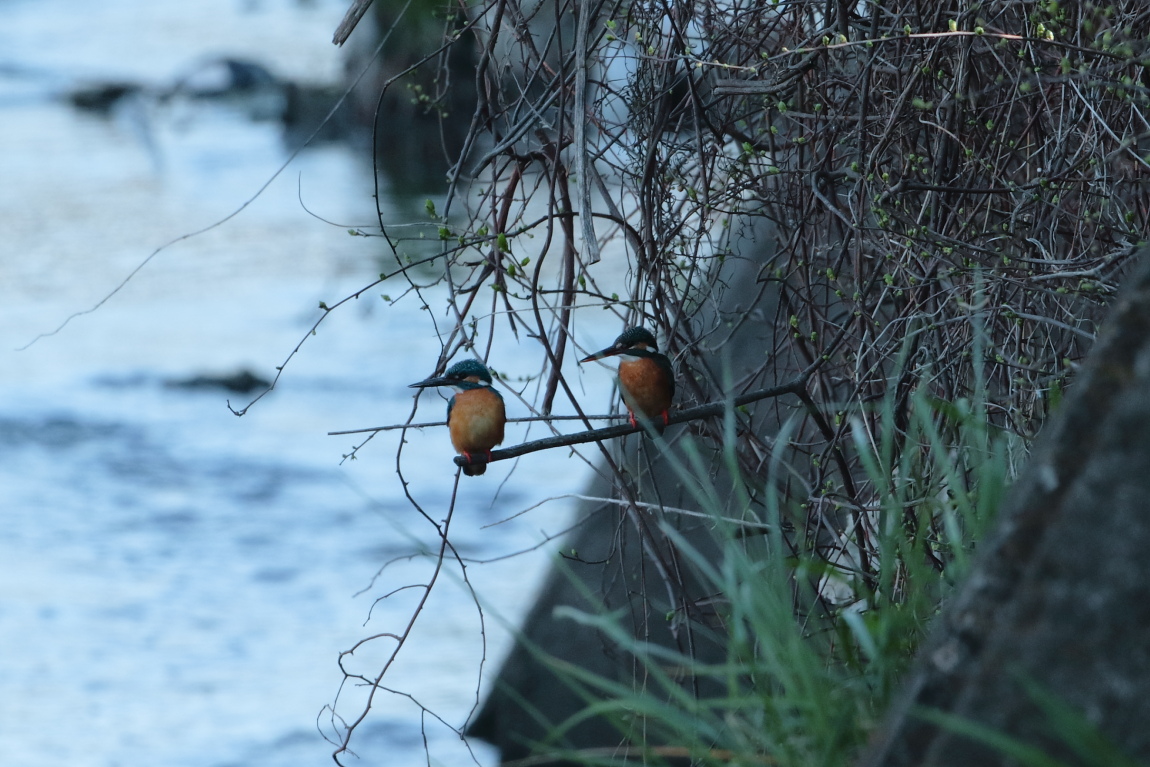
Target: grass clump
[{"x": 814, "y": 645}]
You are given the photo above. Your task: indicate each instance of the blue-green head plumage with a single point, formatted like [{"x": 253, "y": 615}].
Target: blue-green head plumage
[
  {"x": 468, "y": 369},
  {"x": 634, "y": 342},
  {"x": 632, "y": 337},
  {"x": 464, "y": 375}
]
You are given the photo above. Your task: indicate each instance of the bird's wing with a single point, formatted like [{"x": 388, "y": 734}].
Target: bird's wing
[{"x": 665, "y": 365}]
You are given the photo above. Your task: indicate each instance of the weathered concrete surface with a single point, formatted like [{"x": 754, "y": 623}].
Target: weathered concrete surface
[
  {"x": 1061, "y": 593},
  {"x": 529, "y": 700}
]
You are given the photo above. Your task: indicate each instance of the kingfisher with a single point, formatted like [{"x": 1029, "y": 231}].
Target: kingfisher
[
  {"x": 475, "y": 415},
  {"x": 646, "y": 379}
]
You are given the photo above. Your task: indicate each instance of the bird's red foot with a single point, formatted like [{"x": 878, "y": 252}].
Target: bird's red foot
[
  {"x": 666, "y": 416},
  {"x": 474, "y": 468}
]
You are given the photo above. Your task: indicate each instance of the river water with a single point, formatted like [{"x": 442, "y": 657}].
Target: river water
[{"x": 176, "y": 583}]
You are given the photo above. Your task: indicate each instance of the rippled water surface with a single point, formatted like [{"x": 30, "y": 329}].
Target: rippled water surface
[{"x": 176, "y": 582}]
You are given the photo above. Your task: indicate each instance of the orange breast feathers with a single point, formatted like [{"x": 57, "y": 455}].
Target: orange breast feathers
[
  {"x": 645, "y": 387},
  {"x": 476, "y": 420}
]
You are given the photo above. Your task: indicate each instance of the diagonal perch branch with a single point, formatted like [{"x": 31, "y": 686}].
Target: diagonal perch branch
[
  {"x": 610, "y": 432},
  {"x": 529, "y": 419}
]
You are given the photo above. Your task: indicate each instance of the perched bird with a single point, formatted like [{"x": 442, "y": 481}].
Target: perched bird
[
  {"x": 646, "y": 379},
  {"x": 475, "y": 415}
]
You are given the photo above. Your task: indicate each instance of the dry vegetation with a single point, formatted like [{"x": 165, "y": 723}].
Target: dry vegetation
[
  {"x": 932, "y": 174},
  {"x": 951, "y": 192}
]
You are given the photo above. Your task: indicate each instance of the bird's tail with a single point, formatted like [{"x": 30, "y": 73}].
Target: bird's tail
[
  {"x": 657, "y": 423},
  {"x": 475, "y": 469}
]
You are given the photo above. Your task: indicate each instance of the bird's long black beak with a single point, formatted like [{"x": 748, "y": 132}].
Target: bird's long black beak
[
  {"x": 430, "y": 382},
  {"x": 610, "y": 351}
]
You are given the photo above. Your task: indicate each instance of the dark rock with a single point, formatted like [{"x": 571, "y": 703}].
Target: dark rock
[
  {"x": 216, "y": 78},
  {"x": 101, "y": 98},
  {"x": 240, "y": 382},
  {"x": 1057, "y": 610},
  {"x": 248, "y": 87}
]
